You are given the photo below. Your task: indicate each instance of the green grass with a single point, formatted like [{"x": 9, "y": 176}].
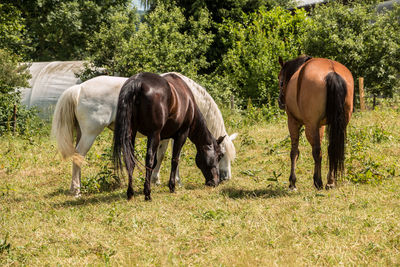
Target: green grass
[{"x": 252, "y": 220}]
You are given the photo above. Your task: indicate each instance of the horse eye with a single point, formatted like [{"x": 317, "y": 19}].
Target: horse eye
[{"x": 281, "y": 83}]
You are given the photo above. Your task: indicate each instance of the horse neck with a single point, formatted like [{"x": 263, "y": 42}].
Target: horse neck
[
  {"x": 199, "y": 133},
  {"x": 207, "y": 107}
]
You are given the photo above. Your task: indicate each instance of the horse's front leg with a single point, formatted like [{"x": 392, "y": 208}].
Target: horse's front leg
[
  {"x": 294, "y": 130},
  {"x": 152, "y": 146},
  {"x": 314, "y": 136},
  {"x": 179, "y": 141}
]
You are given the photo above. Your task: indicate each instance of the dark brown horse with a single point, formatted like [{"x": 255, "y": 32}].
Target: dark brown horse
[
  {"x": 161, "y": 108},
  {"x": 316, "y": 92}
]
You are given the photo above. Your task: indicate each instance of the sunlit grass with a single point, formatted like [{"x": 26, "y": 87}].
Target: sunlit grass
[{"x": 251, "y": 220}]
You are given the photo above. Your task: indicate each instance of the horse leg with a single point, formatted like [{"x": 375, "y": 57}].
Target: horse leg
[
  {"x": 177, "y": 177},
  {"x": 294, "y": 130},
  {"x": 83, "y": 146},
  {"x": 314, "y": 138},
  {"x": 130, "y": 167},
  {"x": 152, "y": 146},
  {"x": 176, "y": 151},
  {"x": 331, "y": 180},
  {"x": 76, "y": 169},
  {"x": 155, "y": 176}
]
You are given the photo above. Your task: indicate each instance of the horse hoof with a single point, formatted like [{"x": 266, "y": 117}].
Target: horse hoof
[
  {"x": 318, "y": 185},
  {"x": 329, "y": 186},
  {"x": 211, "y": 183},
  {"x": 130, "y": 193},
  {"x": 155, "y": 181},
  {"x": 147, "y": 198},
  {"x": 292, "y": 188},
  {"x": 75, "y": 193}
]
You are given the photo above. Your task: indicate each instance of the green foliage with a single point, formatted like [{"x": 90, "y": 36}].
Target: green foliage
[
  {"x": 164, "y": 41},
  {"x": 106, "y": 179},
  {"x": 13, "y": 76},
  {"x": 106, "y": 44},
  {"x": 11, "y": 29},
  {"x": 256, "y": 43},
  {"x": 361, "y": 167},
  {"x": 58, "y": 30},
  {"x": 5, "y": 245},
  {"x": 366, "y": 42}
]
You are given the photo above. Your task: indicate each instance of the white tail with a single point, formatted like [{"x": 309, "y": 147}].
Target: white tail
[{"x": 64, "y": 121}]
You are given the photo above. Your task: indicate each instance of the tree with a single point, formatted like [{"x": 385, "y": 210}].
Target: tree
[
  {"x": 220, "y": 10},
  {"x": 11, "y": 29},
  {"x": 59, "y": 30},
  {"x": 366, "y": 42},
  {"x": 164, "y": 41},
  {"x": 12, "y": 76},
  {"x": 251, "y": 64}
]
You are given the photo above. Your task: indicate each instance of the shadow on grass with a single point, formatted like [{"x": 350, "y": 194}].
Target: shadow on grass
[
  {"x": 271, "y": 192},
  {"x": 87, "y": 199},
  {"x": 58, "y": 192}
]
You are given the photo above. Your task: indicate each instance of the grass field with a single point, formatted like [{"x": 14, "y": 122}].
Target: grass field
[{"x": 251, "y": 220}]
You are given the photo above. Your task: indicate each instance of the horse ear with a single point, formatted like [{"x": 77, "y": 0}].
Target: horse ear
[
  {"x": 220, "y": 139},
  {"x": 281, "y": 61},
  {"x": 233, "y": 136}
]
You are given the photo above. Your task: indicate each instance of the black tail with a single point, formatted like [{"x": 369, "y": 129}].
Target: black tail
[
  {"x": 125, "y": 127},
  {"x": 336, "y": 119}
]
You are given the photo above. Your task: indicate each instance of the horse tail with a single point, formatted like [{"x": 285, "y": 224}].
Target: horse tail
[
  {"x": 64, "y": 121},
  {"x": 336, "y": 120},
  {"x": 125, "y": 128}
]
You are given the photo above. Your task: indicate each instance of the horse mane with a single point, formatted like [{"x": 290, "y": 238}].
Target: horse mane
[
  {"x": 291, "y": 66},
  {"x": 211, "y": 113}
]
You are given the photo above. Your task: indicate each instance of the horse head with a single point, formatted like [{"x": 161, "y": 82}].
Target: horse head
[
  {"x": 207, "y": 160},
  {"x": 228, "y": 151}
]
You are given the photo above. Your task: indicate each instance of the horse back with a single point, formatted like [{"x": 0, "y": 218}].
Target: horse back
[{"x": 163, "y": 104}]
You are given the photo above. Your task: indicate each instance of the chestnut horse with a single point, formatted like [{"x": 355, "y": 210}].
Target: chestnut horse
[
  {"x": 316, "y": 92},
  {"x": 162, "y": 107}
]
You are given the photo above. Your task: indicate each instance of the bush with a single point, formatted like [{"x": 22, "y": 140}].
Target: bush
[
  {"x": 164, "y": 41},
  {"x": 13, "y": 76},
  {"x": 251, "y": 64},
  {"x": 366, "y": 42}
]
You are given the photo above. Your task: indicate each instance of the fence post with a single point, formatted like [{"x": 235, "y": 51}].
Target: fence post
[
  {"x": 361, "y": 90},
  {"x": 232, "y": 102}
]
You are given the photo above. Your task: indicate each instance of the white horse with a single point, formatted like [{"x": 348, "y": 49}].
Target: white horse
[{"x": 86, "y": 109}]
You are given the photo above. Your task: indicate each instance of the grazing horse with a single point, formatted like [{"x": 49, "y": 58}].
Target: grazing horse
[
  {"x": 162, "y": 107},
  {"x": 316, "y": 92},
  {"x": 86, "y": 109}
]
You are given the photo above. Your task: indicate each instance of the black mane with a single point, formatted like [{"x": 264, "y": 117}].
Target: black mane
[{"x": 291, "y": 66}]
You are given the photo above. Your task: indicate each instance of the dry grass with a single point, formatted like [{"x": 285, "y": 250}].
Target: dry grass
[{"x": 250, "y": 220}]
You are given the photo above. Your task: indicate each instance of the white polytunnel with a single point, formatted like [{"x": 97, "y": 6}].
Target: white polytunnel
[{"x": 49, "y": 80}]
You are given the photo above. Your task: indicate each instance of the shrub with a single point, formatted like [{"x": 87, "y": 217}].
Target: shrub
[
  {"x": 366, "y": 42},
  {"x": 251, "y": 64}
]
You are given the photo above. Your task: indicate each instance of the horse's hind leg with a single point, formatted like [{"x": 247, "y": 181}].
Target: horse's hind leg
[
  {"x": 155, "y": 176},
  {"x": 152, "y": 146},
  {"x": 76, "y": 169},
  {"x": 83, "y": 146},
  {"x": 294, "y": 130},
  {"x": 314, "y": 136}
]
